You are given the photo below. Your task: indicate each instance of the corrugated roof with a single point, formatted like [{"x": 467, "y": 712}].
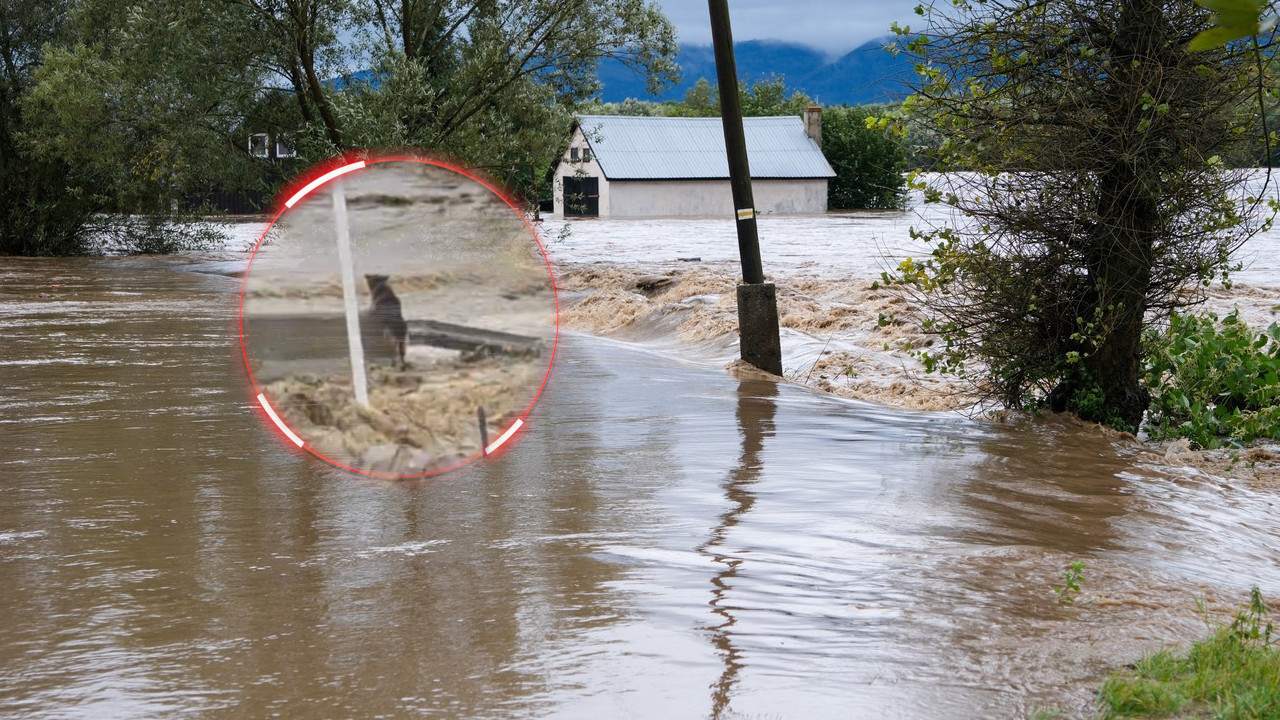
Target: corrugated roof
[{"x": 666, "y": 148}]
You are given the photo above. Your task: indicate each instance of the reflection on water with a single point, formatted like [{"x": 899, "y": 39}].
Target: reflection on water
[
  {"x": 664, "y": 541},
  {"x": 755, "y": 419}
]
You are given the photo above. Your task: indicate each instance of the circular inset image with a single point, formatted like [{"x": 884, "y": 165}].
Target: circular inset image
[{"x": 398, "y": 318}]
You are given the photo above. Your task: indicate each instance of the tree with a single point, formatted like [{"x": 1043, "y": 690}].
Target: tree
[
  {"x": 493, "y": 83},
  {"x": 145, "y": 105},
  {"x": 298, "y": 43},
  {"x": 701, "y": 100},
  {"x": 763, "y": 98},
  {"x": 37, "y": 215},
  {"x": 109, "y": 107},
  {"x": 868, "y": 161},
  {"x": 1095, "y": 198}
]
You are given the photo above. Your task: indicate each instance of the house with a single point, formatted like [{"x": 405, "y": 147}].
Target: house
[
  {"x": 623, "y": 166},
  {"x": 260, "y": 146}
]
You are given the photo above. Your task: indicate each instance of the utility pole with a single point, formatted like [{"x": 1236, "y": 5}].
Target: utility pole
[
  {"x": 757, "y": 300},
  {"x": 358, "y": 379}
]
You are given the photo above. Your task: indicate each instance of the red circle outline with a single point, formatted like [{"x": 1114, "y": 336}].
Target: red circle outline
[{"x": 320, "y": 169}]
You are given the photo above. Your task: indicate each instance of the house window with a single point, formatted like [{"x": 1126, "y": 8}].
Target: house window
[
  {"x": 586, "y": 154},
  {"x": 259, "y": 145},
  {"x": 573, "y": 153},
  {"x": 284, "y": 147}
]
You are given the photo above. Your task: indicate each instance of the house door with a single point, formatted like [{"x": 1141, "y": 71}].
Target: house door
[{"x": 582, "y": 196}]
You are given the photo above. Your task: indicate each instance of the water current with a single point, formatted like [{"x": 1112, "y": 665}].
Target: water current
[{"x": 662, "y": 541}]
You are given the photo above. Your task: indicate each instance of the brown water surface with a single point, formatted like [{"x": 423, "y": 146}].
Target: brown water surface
[{"x": 663, "y": 541}]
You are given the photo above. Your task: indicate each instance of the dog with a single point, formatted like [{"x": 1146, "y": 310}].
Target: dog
[{"x": 385, "y": 321}]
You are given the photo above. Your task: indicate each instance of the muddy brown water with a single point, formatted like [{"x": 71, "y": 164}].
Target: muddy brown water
[{"x": 664, "y": 541}]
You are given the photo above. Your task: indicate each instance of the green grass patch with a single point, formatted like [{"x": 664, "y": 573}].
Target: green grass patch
[{"x": 1233, "y": 675}]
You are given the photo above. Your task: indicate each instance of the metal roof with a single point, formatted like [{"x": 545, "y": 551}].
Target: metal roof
[{"x": 667, "y": 148}]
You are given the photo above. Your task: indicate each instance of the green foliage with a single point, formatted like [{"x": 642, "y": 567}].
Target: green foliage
[
  {"x": 630, "y": 106},
  {"x": 1234, "y": 674},
  {"x": 40, "y": 212},
  {"x": 701, "y": 100},
  {"x": 1213, "y": 381},
  {"x": 136, "y": 111},
  {"x": 1071, "y": 579},
  {"x": 763, "y": 98},
  {"x": 516, "y": 140},
  {"x": 1233, "y": 19},
  {"x": 111, "y": 109},
  {"x": 770, "y": 97},
  {"x": 117, "y": 117},
  {"x": 1088, "y": 400},
  {"x": 868, "y": 161}
]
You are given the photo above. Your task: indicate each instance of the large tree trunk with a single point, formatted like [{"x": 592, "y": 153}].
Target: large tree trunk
[
  {"x": 1128, "y": 217},
  {"x": 1107, "y": 386},
  {"x": 316, "y": 91},
  {"x": 1123, "y": 277}
]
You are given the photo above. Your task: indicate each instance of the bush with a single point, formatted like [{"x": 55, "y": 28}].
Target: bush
[
  {"x": 868, "y": 162},
  {"x": 1213, "y": 381}
]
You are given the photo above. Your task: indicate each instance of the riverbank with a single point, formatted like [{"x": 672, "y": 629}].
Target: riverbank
[{"x": 1230, "y": 674}]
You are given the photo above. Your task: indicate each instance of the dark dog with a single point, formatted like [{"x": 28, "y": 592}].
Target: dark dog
[{"x": 385, "y": 320}]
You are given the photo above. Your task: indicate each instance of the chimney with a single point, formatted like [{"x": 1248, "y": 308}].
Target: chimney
[{"x": 813, "y": 124}]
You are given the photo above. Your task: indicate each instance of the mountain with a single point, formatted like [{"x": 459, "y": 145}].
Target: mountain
[{"x": 866, "y": 74}]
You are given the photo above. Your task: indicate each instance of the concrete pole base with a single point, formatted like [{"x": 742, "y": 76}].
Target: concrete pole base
[{"x": 758, "y": 327}]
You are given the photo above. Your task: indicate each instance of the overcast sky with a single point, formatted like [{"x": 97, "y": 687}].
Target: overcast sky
[{"x": 833, "y": 26}]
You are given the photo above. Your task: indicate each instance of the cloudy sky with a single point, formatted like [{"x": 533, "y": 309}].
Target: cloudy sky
[{"x": 834, "y": 26}]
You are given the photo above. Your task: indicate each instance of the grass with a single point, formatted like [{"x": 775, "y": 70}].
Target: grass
[{"x": 1232, "y": 675}]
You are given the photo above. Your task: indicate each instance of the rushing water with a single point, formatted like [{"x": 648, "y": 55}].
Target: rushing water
[{"x": 663, "y": 541}]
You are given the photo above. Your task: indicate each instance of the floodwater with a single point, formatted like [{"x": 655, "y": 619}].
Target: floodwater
[
  {"x": 840, "y": 331},
  {"x": 662, "y": 541}
]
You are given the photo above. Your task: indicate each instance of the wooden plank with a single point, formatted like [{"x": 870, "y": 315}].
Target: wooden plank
[
  {"x": 462, "y": 337},
  {"x": 313, "y": 336}
]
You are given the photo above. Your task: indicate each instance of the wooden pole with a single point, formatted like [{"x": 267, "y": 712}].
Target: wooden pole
[
  {"x": 757, "y": 301},
  {"x": 735, "y": 142}
]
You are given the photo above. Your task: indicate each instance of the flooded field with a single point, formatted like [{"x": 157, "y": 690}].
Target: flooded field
[{"x": 665, "y": 539}]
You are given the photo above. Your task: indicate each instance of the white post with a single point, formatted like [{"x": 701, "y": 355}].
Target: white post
[{"x": 358, "y": 378}]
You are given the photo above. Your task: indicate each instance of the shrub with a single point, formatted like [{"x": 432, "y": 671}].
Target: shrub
[
  {"x": 868, "y": 161},
  {"x": 1213, "y": 381}
]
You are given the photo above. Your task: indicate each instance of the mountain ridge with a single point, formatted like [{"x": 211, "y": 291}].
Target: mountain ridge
[{"x": 866, "y": 74}]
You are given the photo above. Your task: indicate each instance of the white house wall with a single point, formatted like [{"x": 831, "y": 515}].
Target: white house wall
[
  {"x": 572, "y": 168},
  {"x": 656, "y": 198}
]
